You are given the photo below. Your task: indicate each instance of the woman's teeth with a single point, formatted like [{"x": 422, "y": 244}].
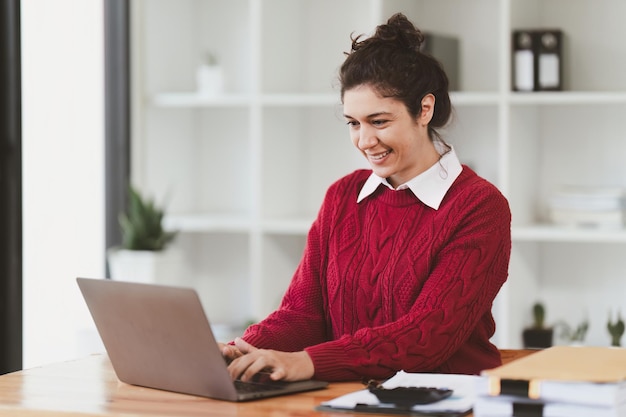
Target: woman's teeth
[{"x": 379, "y": 156}]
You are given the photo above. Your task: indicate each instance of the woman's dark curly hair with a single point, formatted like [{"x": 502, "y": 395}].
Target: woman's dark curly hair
[{"x": 392, "y": 63}]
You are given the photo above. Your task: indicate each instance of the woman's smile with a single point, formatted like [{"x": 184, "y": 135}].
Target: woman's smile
[{"x": 377, "y": 157}]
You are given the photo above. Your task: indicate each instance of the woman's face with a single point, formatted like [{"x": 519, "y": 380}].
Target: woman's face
[{"x": 395, "y": 144}]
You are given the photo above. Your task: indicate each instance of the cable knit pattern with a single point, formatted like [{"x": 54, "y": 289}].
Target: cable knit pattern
[{"x": 391, "y": 284}]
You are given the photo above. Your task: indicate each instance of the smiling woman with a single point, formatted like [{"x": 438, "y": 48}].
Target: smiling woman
[{"x": 404, "y": 260}]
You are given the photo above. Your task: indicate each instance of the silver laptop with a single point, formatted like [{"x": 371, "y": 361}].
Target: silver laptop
[{"x": 159, "y": 337}]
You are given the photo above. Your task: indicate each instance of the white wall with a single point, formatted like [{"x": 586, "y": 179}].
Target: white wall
[{"x": 63, "y": 178}]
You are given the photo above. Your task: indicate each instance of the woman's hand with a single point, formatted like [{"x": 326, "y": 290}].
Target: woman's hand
[
  {"x": 288, "y": 366},
  {"x": 229, "y": 352}
]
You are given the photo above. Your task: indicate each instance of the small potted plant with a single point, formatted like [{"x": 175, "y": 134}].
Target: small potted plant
[
  {"x": 209, "y": 77},
  {"x": 538, "y": 336},
  {"x": 616, "y": 330},
  {"x": 573, "y": 335},
  {"x": 142, "y": 224},
  {"x": 145, "y": 250}
]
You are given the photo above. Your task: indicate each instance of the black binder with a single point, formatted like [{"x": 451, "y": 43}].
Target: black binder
[{"x": 537, "y": 61}]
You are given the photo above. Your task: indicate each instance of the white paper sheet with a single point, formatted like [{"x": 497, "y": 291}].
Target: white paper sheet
[{"x": 462, "y": 399}]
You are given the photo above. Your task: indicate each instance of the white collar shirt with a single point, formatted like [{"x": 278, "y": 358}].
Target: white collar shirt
[{"x": 430, "y": 187}]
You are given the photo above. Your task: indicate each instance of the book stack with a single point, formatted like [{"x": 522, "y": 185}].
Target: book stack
[
  {"x": 560, "y": 381},
  {"x": 588, "y": 207}
]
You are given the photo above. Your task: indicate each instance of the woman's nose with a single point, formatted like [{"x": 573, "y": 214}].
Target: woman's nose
[{"x": 367, "y": 137}]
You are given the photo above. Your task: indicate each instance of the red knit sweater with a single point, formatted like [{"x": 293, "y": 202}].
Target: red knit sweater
[{"x": 391, "y": 284}]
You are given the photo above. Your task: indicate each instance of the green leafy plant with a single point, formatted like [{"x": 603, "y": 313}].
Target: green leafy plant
[
  {"x": 616, "y": 330},
  {"x": 142, "y": 224},
  {"x": 539, "y": 315},
  {"x": 573, "y": 334}
]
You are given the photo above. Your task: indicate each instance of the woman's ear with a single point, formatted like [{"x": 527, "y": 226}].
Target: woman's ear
[{"x": 427, "y": 110}]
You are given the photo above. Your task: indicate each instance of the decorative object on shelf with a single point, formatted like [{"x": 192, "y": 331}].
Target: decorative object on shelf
[
  {"x": 145, "y": 254},
  {"x": 616, "y": 330},
  {"x": 573, "y": 335},
  {"x": 596, "y": 207},
  {"x": 537, "y": 60},
  {"x": 209, "y": 77},
  {"x": 538, "y": 335},
  {"x": 446, "y": 50},
  {"x": 142, "y": 224}
]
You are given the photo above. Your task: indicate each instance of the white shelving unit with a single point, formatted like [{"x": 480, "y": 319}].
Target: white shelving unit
[{"x": 246, "y": 170}]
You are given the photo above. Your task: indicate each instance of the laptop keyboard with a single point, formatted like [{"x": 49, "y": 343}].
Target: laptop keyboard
[{"x": 251, "y": 387}]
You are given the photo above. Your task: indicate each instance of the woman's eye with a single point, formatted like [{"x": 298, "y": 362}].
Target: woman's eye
[
  {"x": 352, "y": 123},
  {"x": 379, "y": 122}
]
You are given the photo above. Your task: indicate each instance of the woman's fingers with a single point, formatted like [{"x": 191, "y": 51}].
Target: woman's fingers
[
  {"x": 290, "y": 366},
  {"x": 243, "y": 346},
  {"x": 230, "y": 352}
]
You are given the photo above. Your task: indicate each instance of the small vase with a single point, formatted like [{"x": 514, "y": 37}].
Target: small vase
[
  {"x": 537, "y": 338},
  {"x": 155, "y": 267},
  {"x": 209, "y": 80}
]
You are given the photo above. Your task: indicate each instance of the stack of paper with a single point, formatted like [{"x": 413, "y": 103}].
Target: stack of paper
[
  {"x": 561, "y": 381},
  {"x": 459, "y": 404},
  {"x": 588, "y": 207}
]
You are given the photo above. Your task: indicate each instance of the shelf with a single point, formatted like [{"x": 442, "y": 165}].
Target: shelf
[
  {"x": 553, "y": 233},
  {"x": 567, "y": 97},
  {"x": 192, "y": 99},
  {"x": 207, "y": 222},
  {"x": 204, "y": 222},
  {"x": 293, "y": 226},
  {"x": 300, "y": 99},
  {"x": 471, "y": 98},
  {"x": 189, "y": 100}
]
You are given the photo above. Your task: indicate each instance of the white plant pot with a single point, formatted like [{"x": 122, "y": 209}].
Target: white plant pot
[
  {"x": 209, "y": 79},
  {"x": 157, "y": 267}
]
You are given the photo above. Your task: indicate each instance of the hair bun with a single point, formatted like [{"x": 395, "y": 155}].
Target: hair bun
[{"x": 400, "y": 30}]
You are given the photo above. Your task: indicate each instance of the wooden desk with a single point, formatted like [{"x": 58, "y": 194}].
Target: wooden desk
[{"x": 89, "y": 387}]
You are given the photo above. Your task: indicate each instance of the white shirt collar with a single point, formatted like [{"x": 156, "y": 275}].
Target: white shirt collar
[{"x": 430, "y": 186}]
